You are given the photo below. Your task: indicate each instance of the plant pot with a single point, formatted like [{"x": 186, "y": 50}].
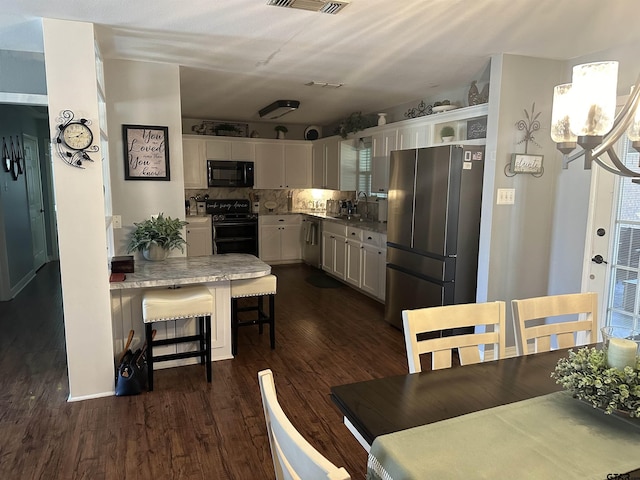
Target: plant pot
[
  {"x": 155, "y": 253},
  {"x": 280, "y": 135},
  {"x": 446, "y": 139}
]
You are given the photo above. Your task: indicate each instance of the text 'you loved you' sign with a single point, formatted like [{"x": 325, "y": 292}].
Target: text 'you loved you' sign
[{"x": 146, "y": 152}]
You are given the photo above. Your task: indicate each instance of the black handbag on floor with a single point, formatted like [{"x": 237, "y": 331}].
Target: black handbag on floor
[
  {"x": 132, "y": 374},
  {"x": 131, "y": 371}
]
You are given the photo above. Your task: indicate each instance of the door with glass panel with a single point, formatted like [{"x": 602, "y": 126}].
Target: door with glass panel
[{"x": 623, "y": 295}]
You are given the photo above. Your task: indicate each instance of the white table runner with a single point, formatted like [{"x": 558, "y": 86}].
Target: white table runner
[{"x": 553, "y": 436}]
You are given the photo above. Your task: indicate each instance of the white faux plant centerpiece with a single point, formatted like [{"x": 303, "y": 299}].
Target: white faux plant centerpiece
[{"x": 586, "y": 374}]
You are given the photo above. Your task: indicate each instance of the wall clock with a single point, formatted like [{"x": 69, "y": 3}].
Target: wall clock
[{"x": 74, "y": 139}]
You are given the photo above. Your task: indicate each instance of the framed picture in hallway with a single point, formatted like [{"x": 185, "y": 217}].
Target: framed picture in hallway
[{"x": 146, "y": 152}]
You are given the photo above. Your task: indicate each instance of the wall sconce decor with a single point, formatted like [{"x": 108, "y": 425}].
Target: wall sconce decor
[
  {"x": 525, "y": 163},
  {"x": 584, "y": 114},
  {"x": 12, "y": 161},
  {"x": 74, "y": 139},
  {"x": 6, "y": 158}
]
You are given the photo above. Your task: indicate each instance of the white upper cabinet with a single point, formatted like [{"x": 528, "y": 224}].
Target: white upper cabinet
[
  {"x": 413, "y": 136},
  {"x": 297, "y": 165},
  {"x": 194, "y": 163},
  {"x": 218, "y": 149},
  {"x": 334, "y": 164},
  {"x": 382, "y": 144},
  {"x": 238, "y": 149},
  {"x": 243, "y": 150},
  {"x": 280, "y": 165}
]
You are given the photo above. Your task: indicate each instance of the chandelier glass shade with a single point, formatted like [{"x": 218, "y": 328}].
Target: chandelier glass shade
[{"x": 584, "y": 114}]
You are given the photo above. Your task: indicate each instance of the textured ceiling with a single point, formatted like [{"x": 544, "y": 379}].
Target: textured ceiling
[{"x": 238, "y": 56}]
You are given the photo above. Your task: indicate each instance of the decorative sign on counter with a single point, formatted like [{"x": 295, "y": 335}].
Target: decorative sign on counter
[{"x": 146, "y": 152}]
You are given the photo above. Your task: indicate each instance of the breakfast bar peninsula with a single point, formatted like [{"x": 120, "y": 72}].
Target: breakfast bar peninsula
[{"x": 213, "y": 271}]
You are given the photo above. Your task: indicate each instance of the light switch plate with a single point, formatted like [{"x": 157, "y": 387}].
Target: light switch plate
[
  {"x": 506, "y": 196},
  {"x": 116, "y": 221}
]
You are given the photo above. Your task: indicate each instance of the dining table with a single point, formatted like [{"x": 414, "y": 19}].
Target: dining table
[{"x": 506, "y": 418}]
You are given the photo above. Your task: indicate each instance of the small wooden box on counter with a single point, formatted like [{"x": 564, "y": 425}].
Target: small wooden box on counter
[{"x": 122, "y": 264}]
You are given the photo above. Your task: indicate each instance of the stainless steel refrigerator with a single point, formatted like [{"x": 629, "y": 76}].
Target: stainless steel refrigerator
[{"x": 433, "y": 228}]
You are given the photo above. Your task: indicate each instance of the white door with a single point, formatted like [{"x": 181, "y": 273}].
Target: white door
[
  {"x": 612, "y": 251},
  {"x": 36, "y": 206}
]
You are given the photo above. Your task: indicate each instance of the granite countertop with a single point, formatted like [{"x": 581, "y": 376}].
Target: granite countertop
[
  {"x": 353, "y": 222},
  {"x": 188, "y": 270}
]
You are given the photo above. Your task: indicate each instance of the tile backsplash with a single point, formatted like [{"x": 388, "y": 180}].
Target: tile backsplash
[{"x": 303, "y": 200}]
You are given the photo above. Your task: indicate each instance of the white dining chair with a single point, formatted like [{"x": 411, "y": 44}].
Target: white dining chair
[
  {"x": 293, "y": 456},
  {"x": 419, "y": 322},
  {"x": 538, "y": 321}
]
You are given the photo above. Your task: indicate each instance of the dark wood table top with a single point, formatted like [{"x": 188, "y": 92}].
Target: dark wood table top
[{"x": 386, "y": 405}]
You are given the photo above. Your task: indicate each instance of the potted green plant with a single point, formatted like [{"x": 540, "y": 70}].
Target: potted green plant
[
  {"x": 280, "y": 131},
  {"x": 354, "y": 123},
  {"x": 447, "y": 133},
  {"x": 156, "y": 236}
]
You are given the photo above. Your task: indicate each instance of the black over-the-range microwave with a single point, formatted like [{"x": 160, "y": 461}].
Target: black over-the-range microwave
[{"x": 222, "y": 173}]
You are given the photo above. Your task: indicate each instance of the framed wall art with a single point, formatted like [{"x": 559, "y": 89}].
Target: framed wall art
[{"x": 146, "y": 152}]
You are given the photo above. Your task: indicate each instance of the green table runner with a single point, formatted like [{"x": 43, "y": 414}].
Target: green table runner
[{"x": 553, "y": 436}]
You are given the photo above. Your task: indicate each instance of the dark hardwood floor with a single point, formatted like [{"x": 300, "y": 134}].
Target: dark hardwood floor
[{"x": 186, "y": 428}]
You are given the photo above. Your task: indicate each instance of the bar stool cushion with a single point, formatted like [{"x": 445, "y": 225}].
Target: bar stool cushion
[
  {"x": 172, "y": 304},
  {"x": 254, "y": 287}
]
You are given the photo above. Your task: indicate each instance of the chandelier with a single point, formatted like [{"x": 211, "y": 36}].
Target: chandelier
[{"x": 584, "y": 114}]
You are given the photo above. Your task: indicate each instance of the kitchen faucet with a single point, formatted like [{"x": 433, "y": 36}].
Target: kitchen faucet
[{"x": 366, "y": 204}]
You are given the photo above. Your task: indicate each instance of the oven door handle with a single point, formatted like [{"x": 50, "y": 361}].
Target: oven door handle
[
  {"x": 234, "y": 224},
  {"x": 213, "y": 239}
]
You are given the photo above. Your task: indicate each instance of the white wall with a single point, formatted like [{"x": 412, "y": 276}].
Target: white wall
[
  {"x": 516, "y": 240},
  {"x": 143, "y": 93},
  {"x": 71, "y": 84}
]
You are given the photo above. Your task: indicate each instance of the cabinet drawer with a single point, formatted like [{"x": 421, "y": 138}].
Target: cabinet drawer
[
  {"x": 354, "y": 233},
  {"x": 293, "y": 219},
  {"x": 372, "y": 238},
  {"x": 334, "y": 228}
]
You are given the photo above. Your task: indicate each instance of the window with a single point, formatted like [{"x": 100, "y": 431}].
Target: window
[{"x": 364, "y": 165}]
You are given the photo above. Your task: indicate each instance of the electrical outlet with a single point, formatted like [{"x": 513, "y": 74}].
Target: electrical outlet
[
  {"x": 116, "y": 221},
  {"x": 506, "y": 196}
]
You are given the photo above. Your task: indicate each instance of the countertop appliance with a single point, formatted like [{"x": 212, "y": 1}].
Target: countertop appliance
[
  {"x": 222, "y": 173},
  {"x": 234, "y": 227},
  {"x": 312, "y": 238},
  {"x": 433, "y": 228}
]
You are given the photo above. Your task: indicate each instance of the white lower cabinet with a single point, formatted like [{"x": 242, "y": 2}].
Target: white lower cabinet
[
  {"x": 334, "y": 251},
  {"x": 374, "y": 268},
  {"x": 356, "y": 256},
  {"x": 280, "y": 238},
  {"x": 199, "y": 236}
]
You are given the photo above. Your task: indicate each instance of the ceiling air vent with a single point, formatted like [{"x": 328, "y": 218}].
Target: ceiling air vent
[{"x": 323, "y": 6}]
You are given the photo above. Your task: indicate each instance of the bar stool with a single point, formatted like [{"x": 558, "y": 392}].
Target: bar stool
[
  {"x": 174, "y": 304},
  {"x": 253, "y": 287}
]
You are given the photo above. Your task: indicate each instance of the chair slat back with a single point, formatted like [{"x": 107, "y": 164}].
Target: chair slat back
[
  {"x": 531, "y": 320},
  {"x": 293, "y": 457},
  {"x": 420, "y": 321}
]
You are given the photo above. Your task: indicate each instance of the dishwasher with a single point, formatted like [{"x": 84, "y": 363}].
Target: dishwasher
[{"x": 312, "y": 241}]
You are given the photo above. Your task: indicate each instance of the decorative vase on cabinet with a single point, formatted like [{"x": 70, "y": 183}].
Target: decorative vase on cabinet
[{"x": 382, "y": 119}]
